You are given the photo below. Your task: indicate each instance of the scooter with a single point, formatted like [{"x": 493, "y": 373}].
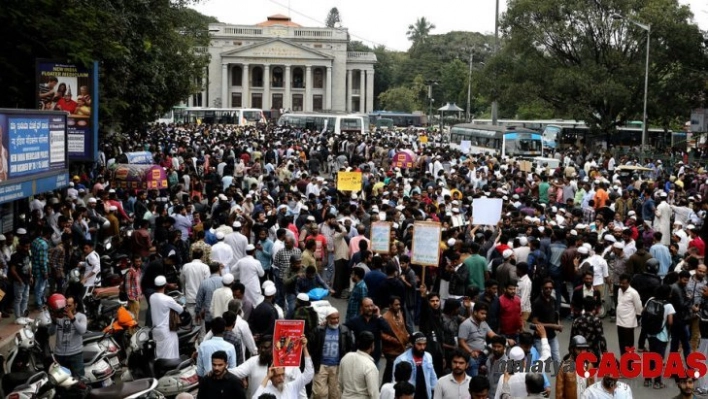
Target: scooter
[
  {"x": 58, "y": 382},
  {"x": 174, "y": 376},
  {"x": 100, "y": 312}
]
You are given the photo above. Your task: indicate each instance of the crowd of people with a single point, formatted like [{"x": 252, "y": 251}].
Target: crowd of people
[{"x": 253, "y": 221}]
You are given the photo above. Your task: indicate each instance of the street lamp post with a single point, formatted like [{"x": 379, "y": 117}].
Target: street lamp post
[
  {"x": 646, "y": 27},
  {"x": 469, "y": 85},
  {"x": 430, "y": 84},
  {"x": 495, "y": 105}
]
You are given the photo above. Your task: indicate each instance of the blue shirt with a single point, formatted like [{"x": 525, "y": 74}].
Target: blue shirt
[
  {"x": 207, "y": 348},
  {"x": 662, "y": 254},
  {"x": 205, "y": 293},
  {"x": 330, "y": 351},
  {"x": 264, "y": 256},
  {"x": 357, "y": 295}
]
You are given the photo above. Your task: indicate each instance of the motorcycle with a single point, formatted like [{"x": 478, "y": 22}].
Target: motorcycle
[
  {"x": 100, "y": 312},
  {"x": 58, "y": 382},
  {"x": 174, "y": 376}
]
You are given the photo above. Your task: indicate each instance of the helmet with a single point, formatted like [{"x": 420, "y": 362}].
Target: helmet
[
  {"x": 652, "y": 265},
  {"x": 56, "y": 302},
  {"x": 579, "y": 341}
]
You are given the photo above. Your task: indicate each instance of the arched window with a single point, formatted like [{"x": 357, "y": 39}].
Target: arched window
[
  {"x": 257, "y": 77},
  {"x": 277, "y": 77},
  {"x": 298, "y": 78},
  {"x": 236, "y": 75},
  {"x": 318, "y": 78}
]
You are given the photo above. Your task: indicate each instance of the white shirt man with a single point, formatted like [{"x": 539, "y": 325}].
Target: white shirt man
[
  {"x": 249, "y": 270},
  {"x": 255, "y": 371},
  {"x": 221, "y": 252},
  {"x": 289, "y": 389},
  {"x": 629, "y": 306},
  {"x": 358, "y": 375},
  {"x": 221, "y": 296},
  {"x": 192, "y": 275},
  {"x": 93, "y": 269},
  {"x": 524, "y": 292},
  {"x": 166, "y": 341},
  {"x": 237, "y": 242}
]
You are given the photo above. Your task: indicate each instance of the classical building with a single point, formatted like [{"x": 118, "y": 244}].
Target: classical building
[{"x": 278, "y": 64}]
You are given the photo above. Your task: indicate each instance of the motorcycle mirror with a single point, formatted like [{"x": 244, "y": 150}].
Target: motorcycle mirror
[{"x": 108, "y": 246}]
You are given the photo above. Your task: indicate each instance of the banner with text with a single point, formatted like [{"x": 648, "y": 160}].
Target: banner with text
[
  {"x": 349, "y": 181},
  {"x": 73, "y": 89}
]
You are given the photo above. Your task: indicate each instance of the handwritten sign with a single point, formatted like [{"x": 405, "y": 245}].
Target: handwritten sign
[
  {"x": 426, "y": 243},
  {"x": 381, "y": 237},
  {"x": 423, "y": 139},
  {"x": 349, "y": 181},
  {"x": 287, "y": 349},
  {"x": 525, "y": 166},
  {"x": 487, "y": 211}
]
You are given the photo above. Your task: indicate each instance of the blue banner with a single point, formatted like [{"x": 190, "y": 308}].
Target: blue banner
[
  {"x": 14, "y": 191},
  {"x": 73, "y": 89}
]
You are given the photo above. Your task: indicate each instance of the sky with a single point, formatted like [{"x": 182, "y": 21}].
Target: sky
[{"x": 381, "y": 22}]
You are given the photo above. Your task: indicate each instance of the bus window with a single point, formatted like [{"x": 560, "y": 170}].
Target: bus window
[{"x": 349, "y": 124}]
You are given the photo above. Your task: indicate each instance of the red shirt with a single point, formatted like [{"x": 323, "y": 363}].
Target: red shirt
[
  {"x": 509, "y": 315},
  {"x": 698, "y": 243}
]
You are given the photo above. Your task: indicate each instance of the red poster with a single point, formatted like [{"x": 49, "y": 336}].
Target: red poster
[{"x": 287, "y": 349}]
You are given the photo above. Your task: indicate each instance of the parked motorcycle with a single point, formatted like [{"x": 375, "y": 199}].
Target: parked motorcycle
[
  {"x": 58, "y": 382},
  {"x": 174, "y": 375},
  {"x": 100, "y": 312}
]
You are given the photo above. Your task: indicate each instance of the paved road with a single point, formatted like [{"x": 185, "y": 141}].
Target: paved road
[{"x": 638, "y": 390}]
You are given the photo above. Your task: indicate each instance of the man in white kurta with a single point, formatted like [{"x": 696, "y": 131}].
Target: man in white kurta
[
  {"x": 221, "y": 252},
  {"x": 191, "y": 276},
  {"x": 249, "y": 270},
  {"x": 166, "y": 341},
  {"x": 662, "y": 221},
  {"x": 222, "y": 296}
]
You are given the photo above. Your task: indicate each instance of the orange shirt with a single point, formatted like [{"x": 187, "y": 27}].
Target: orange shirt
[{"x": 601, "y": 198}]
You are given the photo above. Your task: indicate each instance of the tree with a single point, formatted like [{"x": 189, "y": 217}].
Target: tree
[
  {"x": 145, "y": 49},
  {"x": 401, "y": 98},
  {"x": 419, "y": 31},
  {"x": 574, "y": 56},
  {"x": 333, "y": 18}
]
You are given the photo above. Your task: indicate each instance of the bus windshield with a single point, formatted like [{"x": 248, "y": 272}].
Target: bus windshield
[{"x": 522, "y": 144}]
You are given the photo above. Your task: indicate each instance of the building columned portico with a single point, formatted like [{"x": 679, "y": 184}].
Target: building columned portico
[{"x": 280, "y": 65}]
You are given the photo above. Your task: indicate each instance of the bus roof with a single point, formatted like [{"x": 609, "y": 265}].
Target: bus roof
[{"x": 491, "y": 128}]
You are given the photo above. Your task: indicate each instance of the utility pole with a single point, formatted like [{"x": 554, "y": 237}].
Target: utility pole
[
  {"x": 469, "y": 85},
  {"x": 495, "y": 105}
]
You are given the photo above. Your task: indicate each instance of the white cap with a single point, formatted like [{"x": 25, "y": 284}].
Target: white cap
[
  {"x": 610, "y": 238},
  {"x": 2, "y": 237},
  {"x": 311, "y": 219},
  {"x": 678, "y": 222},
  {"x": 580, "y": 226},
  {"x": 227, "y": 278},
  {"x": 400, "y": 207},
  {"x": 451, "y": 242},
  {"x": 250, "y": 247},
  {"x": 631, "y": 213},
  {"x": 663, "y": 194},
  {"x": 237, "y": 225},
  {"x": 554, "y": 209},
  {"x": 303, "y": 297},
  {"x": 269, "y": 290},
  {"x": 160, "y": 281},
  {"x": 455, "y": 210},
  {"x": 223, "y": 197},
  {"x": 111, "y": 191},
  {"x": 92, "y": 200},
  {"x": 219, "y": 235},
  {"x": 21, "y": 231},
  {"x": 112, "y": 208},
  {"x": 516, "y": 353},
  {"x": 523, "y": 241},
  {"x": 573, "y": 233},
  {"x": 618, "y": 245},
  {"x": 583, "y": 250},
  {"x": 331, "y": 310},
  {"x": 507, "y": 253}
]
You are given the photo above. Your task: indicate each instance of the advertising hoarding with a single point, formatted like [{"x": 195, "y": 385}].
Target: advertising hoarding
[{"x": 73, "y": 89}]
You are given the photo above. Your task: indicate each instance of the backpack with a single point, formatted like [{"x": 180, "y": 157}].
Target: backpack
[
  {"x": 538, "y": 265},
  {"x": 653, "y": 316}
]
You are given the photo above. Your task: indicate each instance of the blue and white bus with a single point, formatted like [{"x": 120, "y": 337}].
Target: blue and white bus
[{"x": 507, "y": 141}]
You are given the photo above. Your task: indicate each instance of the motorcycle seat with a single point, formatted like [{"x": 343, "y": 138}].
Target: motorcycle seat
[
  {"x": 108, "y": 306},
  {"x": 122, "y": 390},
  {"x": 90, "y": 356},
  {"x": 13, "y": 380},
  {"x": 185, "y": 333},
  {"x": 162, "y": 366},
  {"x": 91, "y": 336}
]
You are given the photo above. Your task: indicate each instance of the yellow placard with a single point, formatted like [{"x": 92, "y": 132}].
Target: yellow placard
[
  {"x": 349, "y": 181},
  {"x": 423, "y": 139}
]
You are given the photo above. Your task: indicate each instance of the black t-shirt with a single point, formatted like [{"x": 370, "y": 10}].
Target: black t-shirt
[
  {"x": 545, "y": 312},
  {"x": 22, "y": 264},
  {"x": 227, "y": 387}
]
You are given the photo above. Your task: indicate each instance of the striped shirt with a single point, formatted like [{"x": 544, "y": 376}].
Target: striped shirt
[
  {"x": 40, "y": 256},
  {"x": 282, "y": 259},
  {"x": 205, "y": 293}
]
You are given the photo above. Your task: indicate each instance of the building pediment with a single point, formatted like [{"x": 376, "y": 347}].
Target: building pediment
[{"x": 276, "y": 48}]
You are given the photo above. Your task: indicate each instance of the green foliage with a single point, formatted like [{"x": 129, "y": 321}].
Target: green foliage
[
  {"x": 572, "y": 56},
  {"x": 333, "y": 18},
  {"x": 404, "y": 99},
  {"x": 145, "y": 49}
]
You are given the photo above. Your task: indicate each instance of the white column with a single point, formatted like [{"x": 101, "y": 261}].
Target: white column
[
  {"x": 362, "y": 90},
  {"x": 369, "y": 91},
  {"x": 245, "y": 84},
  {"x": 266, "y": 86},
  {"x": 308, "y": 88},
  {"x": 206, "y": 83},
  {"x": 287, "y": 103},
  {"x": 349, "y": 90},
  {"x": 328, "y": 89},
  {"x": 224, "y": 86}
]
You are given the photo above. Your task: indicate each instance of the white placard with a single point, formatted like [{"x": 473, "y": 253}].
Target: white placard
[
  {"x": 486, "y": 211},
  {"x": 381, "y": 237},
  {"x": 426, "y": 243},
  {"x": 465, "y": 146}
]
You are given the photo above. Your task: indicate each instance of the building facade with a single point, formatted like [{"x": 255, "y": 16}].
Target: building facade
[{"x": 278, "y": 64}]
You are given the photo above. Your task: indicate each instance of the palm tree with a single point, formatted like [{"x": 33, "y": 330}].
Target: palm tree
[{"x": 420, "y": 30}]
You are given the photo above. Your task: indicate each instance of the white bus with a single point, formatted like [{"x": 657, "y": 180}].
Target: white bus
[
  {"x": 225, "y": 116},
  {"x": 352, "y": 123},
  {"x": 509, "y": 141}
]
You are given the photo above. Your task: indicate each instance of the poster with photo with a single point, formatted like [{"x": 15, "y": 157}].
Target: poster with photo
[{"x": 287, "y": 348}]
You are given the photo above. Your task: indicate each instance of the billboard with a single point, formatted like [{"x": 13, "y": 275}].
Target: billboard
[
  {"x": 73, "y": 89},
  {"x": 33, "y": 153}
]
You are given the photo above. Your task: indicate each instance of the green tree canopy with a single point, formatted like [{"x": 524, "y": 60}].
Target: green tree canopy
[
  {"x": 146, "y": 52},
  {"x": 574, "y": 56},
  {"x": 419, "y": 31},
  {"x": 333, "y": 18}
]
